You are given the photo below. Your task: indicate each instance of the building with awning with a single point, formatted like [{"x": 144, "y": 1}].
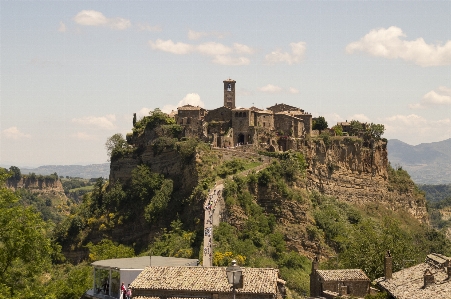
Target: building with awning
[{"x": 109, "y": 274}]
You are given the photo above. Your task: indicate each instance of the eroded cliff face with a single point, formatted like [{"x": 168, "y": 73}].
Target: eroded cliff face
[
  {"x": 37, "y": 185},
  {"x": 354, "y": 173},
  {"x": 169, "y": 163}
]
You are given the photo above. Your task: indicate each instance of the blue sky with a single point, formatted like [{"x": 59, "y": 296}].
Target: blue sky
[{"x": 74, "y": 72}]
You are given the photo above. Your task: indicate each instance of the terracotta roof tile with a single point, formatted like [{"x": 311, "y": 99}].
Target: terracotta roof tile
[
  {"x": 409, "y": 283},
  {"x": 210, "y": 279},
  {"x": 341, "y": 275}
]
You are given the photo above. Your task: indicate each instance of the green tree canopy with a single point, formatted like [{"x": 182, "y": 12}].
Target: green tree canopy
[
  {"x": 106, "y": 249},
  {"x": 116, "y": 145},
  {"x": 25, "y": 248},
  {"x": 320, "y": 123},
  {"x": 15, "y": 172}
]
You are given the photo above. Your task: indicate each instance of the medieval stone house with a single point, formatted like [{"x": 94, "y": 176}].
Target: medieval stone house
[
  {"x": 428, "y": 280},
  {"x": 228, "y": 126},
  {"x": 334, "y": 283}
]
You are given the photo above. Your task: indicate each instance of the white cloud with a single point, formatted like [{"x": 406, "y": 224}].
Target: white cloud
[
  {"x": 14, "y": 133},
  {"x": 190, "y": 99},
  {"x": 270, "y": 88},
  {"x": 229, "y": 60},
  {"x": 143, "y": 112},
  {"x": 389, "y": 43},
  {"x": 83, "y": 136},
  {"x": 434, "y": 98},
  {"x": 413, "y": 128},
  {"x": 171, "y": 47},
  {"x": 101, "y": 122},
  {"x": 147, "y": 27},
  {"x": 62, "y": 27},
  {"x": 331, "y": 118},
  {"x": 334, "y": 118},
  {"x": 243, "y": 49},
  {"x": 195, "y": 35},
  {"x": 220, "y": 53},
  {"x": 296, "y": 55},
  {"x": 96, "y": 18},
  {"x": 293, "y": 90},
  {"x": 360, "y": 117},
  {"x": 213, "y": 49}
]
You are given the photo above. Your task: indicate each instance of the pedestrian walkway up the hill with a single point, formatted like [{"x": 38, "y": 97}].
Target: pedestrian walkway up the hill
[
  {"x": 212, "y": 214},
  {"x": 215, "y": 202}
]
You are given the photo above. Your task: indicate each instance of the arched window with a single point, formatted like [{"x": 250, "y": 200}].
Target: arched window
[
  {"x": 236, "y": 114},
  {"x": 244, "y": 114}
]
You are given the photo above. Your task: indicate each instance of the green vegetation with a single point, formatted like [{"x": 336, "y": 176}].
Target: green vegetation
[
  {"x": 400, "y": 181},
  {"x": 361, "y": 238},
  {"x": 156, "y": 118},
  {"x": 435, "y": 193},
  {"x": 369, "y": 131},
  {"x": 175, "y": 243},
  {"x": 117, "y": 147},
  {"x": 106, "y": 249},
  {"x": 31, "y": 265},
  {"x": 338, "y": 130},
  {"x": 320, "y": 124}
]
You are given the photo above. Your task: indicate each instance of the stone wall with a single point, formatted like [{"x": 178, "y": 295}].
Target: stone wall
[
  {"x": 219, "y": 114},
  {"x": 354, "y": 287}
]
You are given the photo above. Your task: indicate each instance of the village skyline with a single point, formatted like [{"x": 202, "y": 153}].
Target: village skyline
[{"x": 73, "y": 73}]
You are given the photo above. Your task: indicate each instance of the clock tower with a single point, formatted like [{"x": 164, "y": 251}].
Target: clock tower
[{"x": 229, "y": 93}]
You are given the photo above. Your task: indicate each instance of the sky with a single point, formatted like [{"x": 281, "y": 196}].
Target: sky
[{"x": 72, "y": 73}]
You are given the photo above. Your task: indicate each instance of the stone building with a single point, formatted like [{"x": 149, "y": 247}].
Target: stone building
[
  {"x": 206, "y": 283},
  {"x": 334, "y": 283},
  {"x": 108, "y": 274},
  {"x": 428, "y": 280},
  {"x": 228, "y": 126}
]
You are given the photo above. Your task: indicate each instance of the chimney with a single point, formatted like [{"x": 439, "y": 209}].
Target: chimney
[
  {"x": 314, "y": 283},
  {"x": 448, "y": 272},
  {"x": 388, "y": 265},
  {"x": 428, "y": 278}
]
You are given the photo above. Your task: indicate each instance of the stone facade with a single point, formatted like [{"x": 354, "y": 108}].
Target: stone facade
[{"x": 334, "y": 283}]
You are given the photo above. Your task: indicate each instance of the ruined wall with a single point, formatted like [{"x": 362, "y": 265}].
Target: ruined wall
[{"x": 354, "y": 173}]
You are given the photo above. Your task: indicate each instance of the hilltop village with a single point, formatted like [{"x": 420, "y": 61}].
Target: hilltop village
[{"x": 228, "y": 126}]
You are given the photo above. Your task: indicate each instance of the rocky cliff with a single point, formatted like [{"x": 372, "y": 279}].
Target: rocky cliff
[
  {"x": 41, "y": 185},
  {"x": 353, "y": 172}
]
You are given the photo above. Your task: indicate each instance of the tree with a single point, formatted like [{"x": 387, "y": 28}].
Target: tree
[
  {"x": 15, "y": 173},
  {"x": 106, "y": 249},
  {"x": 356, "y": 127},
  {"x": 25, "y": 250},
  {"x": 320, "y": 124},
  {"x": 116, "y": 145},
  {"x": 338, "y": 130},
  {"x": 375, "y": 131}
]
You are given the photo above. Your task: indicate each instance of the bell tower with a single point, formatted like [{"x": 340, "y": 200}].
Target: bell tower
[{"x": 229, "y": 93}]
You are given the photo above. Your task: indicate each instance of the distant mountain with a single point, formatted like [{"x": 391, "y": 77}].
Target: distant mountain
[
  {"x": 427, "y": 163},
  {"x": 86, "y": 172}
]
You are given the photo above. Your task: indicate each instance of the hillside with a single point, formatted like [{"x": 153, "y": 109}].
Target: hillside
[
  {"x": 81, "y": 171},
  {"x": 325, "y": 197},
  {"x": 427, "y": 163}
]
